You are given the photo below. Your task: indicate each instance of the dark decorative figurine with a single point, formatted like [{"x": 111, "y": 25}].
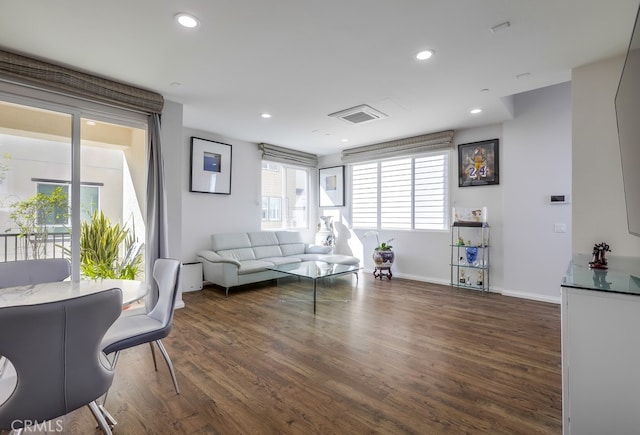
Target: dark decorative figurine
[{"x": 599, "y": 261}]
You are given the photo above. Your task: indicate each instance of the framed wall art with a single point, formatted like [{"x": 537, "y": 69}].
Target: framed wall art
[
  {"x": 478, "y": 163},
  {"x": 210, "y": 166},
  {"x": 331, "y": 187}
]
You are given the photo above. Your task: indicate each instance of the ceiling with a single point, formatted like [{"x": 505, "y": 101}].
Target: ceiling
[{"x": 301, "y": 60}]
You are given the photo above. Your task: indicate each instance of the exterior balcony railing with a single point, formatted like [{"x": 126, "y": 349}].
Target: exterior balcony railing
[{"x": 15, "y": 247}]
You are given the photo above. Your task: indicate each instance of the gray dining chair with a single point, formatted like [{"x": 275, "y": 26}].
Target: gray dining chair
[
  {"x": 56, "y": 360},
  {"x": 26, "y": 272},
  {"x": 150, "y": 327}
]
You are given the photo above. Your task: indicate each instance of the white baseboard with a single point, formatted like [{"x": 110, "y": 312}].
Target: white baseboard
[{"x": 510, "y": 293}]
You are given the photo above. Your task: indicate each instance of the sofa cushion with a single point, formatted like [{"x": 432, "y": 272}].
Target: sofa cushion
[
  {"x": 252, "y": 266},
  {"x": 240, "y": 254},
  {"x": 341, "y": 259},
  {"x": 287, "y": 237},
  {"x": 282, "y": 260},
  {"x": 333, "y": 259},
  {"x": 290, "y": 242},
  {"x": 292, "y": 249},
  {"x": 263, "y": 238},
  {"x": 267, "y": 251},
  {"x": 222, "y": 242}
]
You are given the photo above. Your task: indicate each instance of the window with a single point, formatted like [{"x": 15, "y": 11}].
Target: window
[
  {"x": 60, "y": 216},
  {"x": 406, "y": 193},
  {"x": 284, "y": 196},
  {"x": 271, "y": 209}
]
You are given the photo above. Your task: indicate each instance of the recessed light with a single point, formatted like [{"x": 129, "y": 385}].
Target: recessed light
[
  {"x": 475, "y": 111},
  {"x": 345, "y": 140},
  {"x": 425, "y": 54},
  {"x": 265, "y": 115},
  {"x": 188, "y": 21}
]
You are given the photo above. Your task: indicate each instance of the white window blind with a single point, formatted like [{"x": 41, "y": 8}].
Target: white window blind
[
  {"x": 430, "y": 195},
  {"x": 407, "y": 193},
  {"x": 395, "y": 194},
  {"x": 364, "y": 195}
]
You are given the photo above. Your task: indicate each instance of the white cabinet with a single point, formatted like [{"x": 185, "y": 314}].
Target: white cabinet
[
  {"x": 470, "y": 255},
  {"x": 191, "y": 277},
  {"x": 600, "y": 350}
]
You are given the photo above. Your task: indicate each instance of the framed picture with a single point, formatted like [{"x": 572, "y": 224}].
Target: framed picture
[
  {"x": 478, "y": 163},
  {"x": 331, "y": 187},
  {"x": 210, "y": 166}
]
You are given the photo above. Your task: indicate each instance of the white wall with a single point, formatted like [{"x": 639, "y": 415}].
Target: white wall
[
  {"x": 204, "y": 214},
  {"x": 483, "y": 196},
  {"x": 537, "y": 148},
  {"x": 599, "y": 213},
  {"x": 528, "y": 257}
]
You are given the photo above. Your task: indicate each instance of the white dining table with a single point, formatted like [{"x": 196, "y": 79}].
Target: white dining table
[{"x": 33, "y": 294}]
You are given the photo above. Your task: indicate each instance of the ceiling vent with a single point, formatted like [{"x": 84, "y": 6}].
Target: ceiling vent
[{"x": 359, "y": 114}]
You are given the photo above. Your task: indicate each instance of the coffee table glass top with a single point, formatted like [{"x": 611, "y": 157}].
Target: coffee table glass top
[{"x": 315, "y": 269}]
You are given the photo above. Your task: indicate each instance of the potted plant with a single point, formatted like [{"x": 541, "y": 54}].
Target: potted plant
[
  {"x": 383, "y": 255},
  {"x": 100, "y": 245}
]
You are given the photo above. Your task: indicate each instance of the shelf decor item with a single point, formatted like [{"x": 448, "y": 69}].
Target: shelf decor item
[
  {"x": 478, "y": 163},
  {"x": 599, "y": 261},
  {"x": 472, "y": 255},
  {"x": 210, "y": 166},
  {"x": 383, "y": 256},
  {"x": 470, "y": 248},
  {"x": 325, "y": 235}
]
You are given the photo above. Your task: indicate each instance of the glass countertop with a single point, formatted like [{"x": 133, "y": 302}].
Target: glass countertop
[{"x": 622, "y": 275}]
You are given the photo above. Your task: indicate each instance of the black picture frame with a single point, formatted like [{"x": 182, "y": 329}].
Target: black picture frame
[
  {"x": 479, "y": 163},
  {"x": 331, "y": 186},
  {"x": 210, "y": 166}
]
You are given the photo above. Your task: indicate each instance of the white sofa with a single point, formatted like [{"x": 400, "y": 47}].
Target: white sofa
[{"x": 242, "y": 258}]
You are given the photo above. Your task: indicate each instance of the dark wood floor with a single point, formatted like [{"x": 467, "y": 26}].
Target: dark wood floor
[{"x": 402, "y": 357}]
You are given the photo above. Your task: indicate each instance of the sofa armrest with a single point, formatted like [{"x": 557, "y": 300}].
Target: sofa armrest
[
  {"x": 212, "y": 257},
  {"x": 317, "y": 249}
]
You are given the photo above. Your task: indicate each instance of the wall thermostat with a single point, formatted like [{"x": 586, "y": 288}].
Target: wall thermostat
[{"x": 558, "y": 199}]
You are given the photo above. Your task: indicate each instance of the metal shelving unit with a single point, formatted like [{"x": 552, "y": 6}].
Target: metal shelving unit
[{"x": 470, "y": 255}]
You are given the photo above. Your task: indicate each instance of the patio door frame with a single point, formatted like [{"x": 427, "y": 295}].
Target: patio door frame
[{"x": 77, "y": 109}]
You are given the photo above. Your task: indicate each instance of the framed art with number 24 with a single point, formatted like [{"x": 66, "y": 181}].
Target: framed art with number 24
[{"x": 478, "y": 163}]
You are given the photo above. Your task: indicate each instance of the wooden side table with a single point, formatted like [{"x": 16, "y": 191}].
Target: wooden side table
[{"x": 381, "y": 271}]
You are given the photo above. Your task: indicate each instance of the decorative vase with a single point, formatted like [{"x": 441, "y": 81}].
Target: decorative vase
[
  {"x": 383, "y": 258},
  {"x": 472, "y": 255},
  {"x": 325, "y": 236}
]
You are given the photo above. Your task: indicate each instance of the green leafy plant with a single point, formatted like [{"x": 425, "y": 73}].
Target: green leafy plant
[
  {"x": 100, "y": 244},
  {"x": 384, "y": 246},
  {"x": 34, "y": 216}
]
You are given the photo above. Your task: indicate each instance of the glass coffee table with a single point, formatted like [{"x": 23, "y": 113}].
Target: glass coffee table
[{"x": 315, "y": 270}]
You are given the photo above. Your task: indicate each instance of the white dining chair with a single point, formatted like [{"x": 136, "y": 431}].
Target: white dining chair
[{"x": 151, "y": 327}]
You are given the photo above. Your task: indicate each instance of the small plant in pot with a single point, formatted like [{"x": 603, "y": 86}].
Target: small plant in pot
[{"x": 383, "y": 255}]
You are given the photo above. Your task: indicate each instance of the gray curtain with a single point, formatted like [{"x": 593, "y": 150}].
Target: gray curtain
[
  {"x": 157, "y": 229},
  {"x": 67, "y": 81},
  {"x": 401, "y": 147},
  {"x": 275, "y": 153}
]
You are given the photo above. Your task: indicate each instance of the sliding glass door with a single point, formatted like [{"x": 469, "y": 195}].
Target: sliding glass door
[{"x": 69, "y": 177}]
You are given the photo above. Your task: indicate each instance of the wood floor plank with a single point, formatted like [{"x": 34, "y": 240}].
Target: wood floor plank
[{"x": 400, "y": 357}]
